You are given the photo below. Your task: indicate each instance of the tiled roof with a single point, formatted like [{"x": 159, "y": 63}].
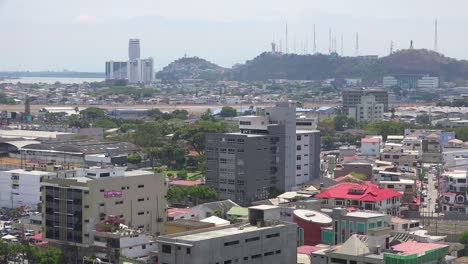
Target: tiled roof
[{"x": 364, "y": 192}]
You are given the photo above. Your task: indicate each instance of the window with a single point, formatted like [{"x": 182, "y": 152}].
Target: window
[
  {"x": 371, "y": 225},
  {"x": 141, "y": 186},
  {"x": 298, "y": 157},
  {"x": 269, "y": 253},
  {"x": 245, "y": 123},
  {"x": 167, "y": 249},
  {"x": 278, "y": 252},
  {"x": 228, "y": 262},
  {"x": 298, "y": 147},
  {"x": 102, "y": 190},
  {"x": 298, "y": 167},
  {"x": 298, "y": 138},
  {"x": 339, "y": 202},
  {"x": 256, "y": 256},
  {"x": 240, "y": 150},
  {"x": 252, "y": 239},
  {"x": 141, "y": 199},
  {"x": 231, "y": 243},
  {"x": 119, "y": 202},
  {"x": 143, "y": 247},
  {"x": 188, "y": 251},
  {"x": 273, "y": 235},
  {"x": 141, "y": 213}
]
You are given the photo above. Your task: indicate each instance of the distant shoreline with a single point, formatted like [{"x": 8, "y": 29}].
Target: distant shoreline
[{"x": 65, "y": 74}]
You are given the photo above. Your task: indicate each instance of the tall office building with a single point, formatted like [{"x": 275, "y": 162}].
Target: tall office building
[
  {"x": 135, "y": 70},
  {"x": 267, "y": 154},
  {"x": 352, "y": 97},
  {"x": 133, "y": 49},
  {"x": 76, "y": 204}
]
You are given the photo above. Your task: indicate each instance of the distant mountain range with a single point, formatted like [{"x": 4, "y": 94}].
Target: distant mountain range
[{"x": 320, "y": 66}]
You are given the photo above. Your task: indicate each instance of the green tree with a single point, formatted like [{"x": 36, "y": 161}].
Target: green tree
[
  {"x": 93, "y": 113},
  {"x": 328, "y": 141},
  {"x": 464, "y": 238},
  {"x": 385, "y": 128},
  {"x": 104, "y": 123},
  {"x": 134, "y": 158},
  {"x": 424, "y": 119},
  {"x": 461, "y": 133},
  {"x": 195, "y": 134},
  {"x": 152, "y": 134},
  {"x": 228, "y": 111}
]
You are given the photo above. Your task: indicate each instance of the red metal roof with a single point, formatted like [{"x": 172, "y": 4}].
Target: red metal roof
[
  {"x": 307, "y": 249},
  {"x": 174, "y": 212},
  {"x": 185, "y": 182},
  {"x": 413, "y": 247},
  {"x": 370, "y": 192},
  {"x": 370, "y": 140}
]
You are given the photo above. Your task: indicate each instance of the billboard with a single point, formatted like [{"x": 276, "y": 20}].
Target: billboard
[{"x": 111, "y": 194}]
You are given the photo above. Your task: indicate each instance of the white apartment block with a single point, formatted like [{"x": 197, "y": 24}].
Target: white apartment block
[
  {"x": 367, "y": 111},
  {"x": 21, "y": 187},
  {"x": 428, "y": 82}
]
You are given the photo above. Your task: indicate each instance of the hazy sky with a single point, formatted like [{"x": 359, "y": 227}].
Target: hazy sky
[{"x": 82, "y": 34}]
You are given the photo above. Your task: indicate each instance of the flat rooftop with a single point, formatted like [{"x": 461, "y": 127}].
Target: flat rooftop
[
  {"x": 364, "y": 214},
  {"x": 29, "y": 134},
  {"x": 218, "y": 232},
  {"x": 246, "y": 135},
  {"x": 32, "y": 172}
]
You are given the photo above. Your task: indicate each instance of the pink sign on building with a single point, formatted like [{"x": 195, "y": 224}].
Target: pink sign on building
[{"x": 110, "y": 194}]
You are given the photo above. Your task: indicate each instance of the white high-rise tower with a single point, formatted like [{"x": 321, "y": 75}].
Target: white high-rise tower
[{"x": 133, "y": 49}]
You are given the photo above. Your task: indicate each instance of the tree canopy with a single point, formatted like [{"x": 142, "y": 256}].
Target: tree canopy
[
  {"x": 195, "y": 134},
  {"x": 228, "y": 111}
]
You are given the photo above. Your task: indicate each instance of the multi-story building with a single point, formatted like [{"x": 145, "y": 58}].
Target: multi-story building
[
  {"x": 116, "y": 70},
  {"x": 368, "y": 110},
  {"x": 21, "y": 187},
  {"x": 73, "y": 205},
  {"x": 268, "y": 153},
  {"x": 352, "y": 97},
  {"x": 453, "y": 192},
  {"x": 307, "y": 151},
  {"x": 346, "y": 224},
  {"x": 367, "y": 196},
  {"x": 370, "y": 146},
  {"x": 123, "y": 242},
  {"x": 411, "y": 81},
  {"x": 264, "y": 239},
  {"x": 133, "y": 49},
  {"x": 444, "y": 136},
  {"x": 135, "y": 70}
]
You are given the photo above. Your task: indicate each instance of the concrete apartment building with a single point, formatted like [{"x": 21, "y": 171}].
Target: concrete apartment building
[
  {"x": 368, "y": 110},
  {"x": 264, "y": 239},
  {"x": 352, "y": 97},
  {"x": 74, "y": 204},
  {"x": 345, "y": 224},
  {"x": 453, "y": 192},
  {"x": 370, "y": 146},
  {"x": 411, "y": 81},
  {"x": 21, "y": 187},
  {"x": 135, "y": 70},
  {"x": 268, "y": 153}
]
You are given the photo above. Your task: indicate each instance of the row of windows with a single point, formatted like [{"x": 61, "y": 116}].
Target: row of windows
[{"x": 125, "y": 187}]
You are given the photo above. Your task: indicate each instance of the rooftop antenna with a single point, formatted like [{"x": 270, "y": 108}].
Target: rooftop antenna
[
  {"x": 307, "y": 45},
  {"x": 280, "y": 46},
  {"x": 329, "y": 41},
  {"x": 391, "y": 47},
  {"x": 357, "y": 44},
  {"x": 273, "y": 44},
  {"x": 342, "y": 45},
  {"x": 286, "y": 41},
  {"x": 411, "y": 44},
  {"x": 436, "y": 48},
  {"x": 295, "y": 43},
  {"x": 315, "y": 43}
]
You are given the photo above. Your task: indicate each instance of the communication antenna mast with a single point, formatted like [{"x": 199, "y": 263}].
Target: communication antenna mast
[
  {"x": 329, "y": 41},
  {"x": 436, "y": 45},
  {"x": 315, "y": 43},
  {"x": 357, "y": 44},
  {"x": 342, "y": 45},
  {"x": 294, "y": 43},
  {"x": 391, "y": 47},
  {"x": 286, "y": 41}
]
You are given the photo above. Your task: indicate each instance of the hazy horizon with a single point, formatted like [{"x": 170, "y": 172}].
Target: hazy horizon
[{"x": 81, "y": 35}]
